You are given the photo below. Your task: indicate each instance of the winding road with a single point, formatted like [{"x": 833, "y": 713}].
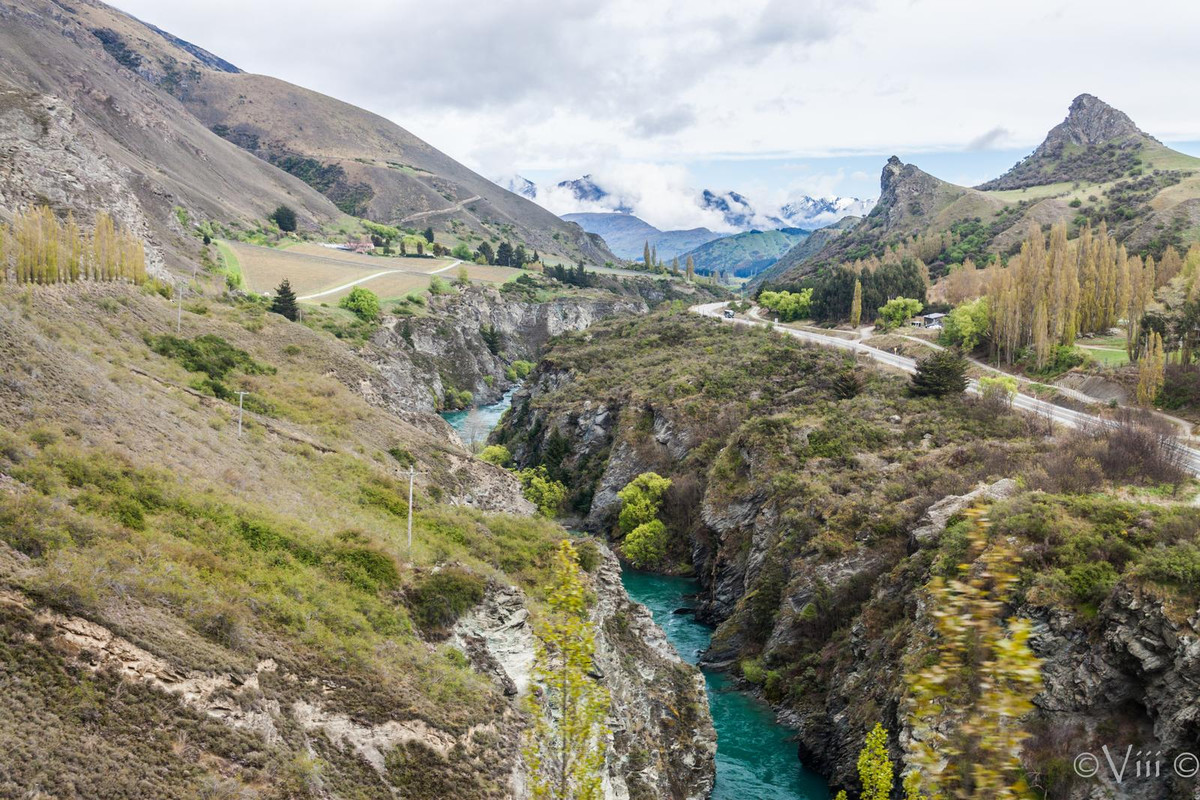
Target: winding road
[{"x": 1189, "y": 458}]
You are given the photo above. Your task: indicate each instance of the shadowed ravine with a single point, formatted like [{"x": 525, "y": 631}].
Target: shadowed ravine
[{"x": 756, "y": 757}]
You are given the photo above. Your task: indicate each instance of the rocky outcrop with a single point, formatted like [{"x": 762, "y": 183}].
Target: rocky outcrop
[
  {"x": 421, "y": 357},
  {"x": 662, "y": 741}
]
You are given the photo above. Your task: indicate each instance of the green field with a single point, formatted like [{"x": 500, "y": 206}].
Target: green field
[{"x": 1107, "y": 357}]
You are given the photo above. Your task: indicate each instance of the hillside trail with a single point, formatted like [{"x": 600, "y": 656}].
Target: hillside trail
[{"x": 448, "y": 210}]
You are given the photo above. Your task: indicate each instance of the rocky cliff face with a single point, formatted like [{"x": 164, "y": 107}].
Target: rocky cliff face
[
  {"x": 662, "y": 742},
  {"x": 843, "y": 622},
  {"x": 421, "y": 357}
]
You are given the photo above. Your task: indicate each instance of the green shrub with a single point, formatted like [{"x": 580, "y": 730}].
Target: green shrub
[
  {"x": 495, "y": 454},
  {"x": 402, "y": 455},
  {"x": 1178, "y": 565},
  {"x": 454, "y": 399},
  {"x": 646, "y": 544},
  {"x": 209, "y": 354},
  {"x": 542, "y": 490},
  {"x": 1092, "y": 581},
  {"x": 363, "y": 303},
  {"x": 588, "y": 555},
  {"x": 365, "y": 568},
  {"x": 381, "y": 495},
  {"x": 437, "y": 600}
]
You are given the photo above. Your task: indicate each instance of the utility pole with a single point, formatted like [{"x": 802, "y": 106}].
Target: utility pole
[
  {"x": 241, "y": 398},
  {"x": 412, "y": 473}
]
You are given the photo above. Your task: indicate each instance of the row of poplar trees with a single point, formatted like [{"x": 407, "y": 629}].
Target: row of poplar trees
[
  {"x": 40, "y": 248},
  {"x": 1052, "y": 292}
]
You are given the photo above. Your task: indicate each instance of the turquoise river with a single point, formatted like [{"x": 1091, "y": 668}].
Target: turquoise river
[{"x": 756, "y": 757}]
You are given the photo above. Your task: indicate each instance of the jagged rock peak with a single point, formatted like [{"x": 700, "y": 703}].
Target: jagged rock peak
[
  {"x": 891, "y": 171},
  {"x": 1093, "y": 121}
]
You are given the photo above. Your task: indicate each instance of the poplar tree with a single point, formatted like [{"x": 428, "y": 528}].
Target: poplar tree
[
  {"x": 646, "y": 255},
  {"x": 1151, "y": 368},
  {"x": 856, "y": 305},
  {"x": 675, "y": 266},
  {"x": 691, "y": 269},
  {"x": 565, "y": 746}
]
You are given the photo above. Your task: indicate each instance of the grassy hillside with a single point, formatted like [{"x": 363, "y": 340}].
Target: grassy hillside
[
  {"x": 220, "y": 614},
  {"x": 157, "y": 123},
  {"x": 372, "y": 167},
  {"x": 745, "y": 254},
  {"x": 815, "y": 243}
]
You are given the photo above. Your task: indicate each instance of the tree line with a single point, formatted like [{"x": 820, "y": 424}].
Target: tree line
[
  {"x": 40, "y": 248},
  {"x": 1054, "y": 290},
  {"x": 861, "y": 288}
]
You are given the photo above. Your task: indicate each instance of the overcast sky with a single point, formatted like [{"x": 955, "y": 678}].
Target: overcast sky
[{"x": 769, "y": 97}]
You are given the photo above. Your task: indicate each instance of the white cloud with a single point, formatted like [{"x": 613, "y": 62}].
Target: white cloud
[
  {"x": 517, "y": 85},
  {"x": 663, "y": 195}
]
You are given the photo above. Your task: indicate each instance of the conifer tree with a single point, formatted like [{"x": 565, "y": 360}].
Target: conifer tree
[
  {"x": 429, "y": 234},
  {"x": 504, "y": 254},
  {"x": 565, "y": 746},
  {"x": 939, "y": 374},
  {"x": 284, "y": 302}
]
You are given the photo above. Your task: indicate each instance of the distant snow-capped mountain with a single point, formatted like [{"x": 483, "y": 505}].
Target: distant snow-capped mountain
[
  {"x": 738, "y": 212},
  {"x": 801, "y": 212},
  {"x": 518, "y": 185}
]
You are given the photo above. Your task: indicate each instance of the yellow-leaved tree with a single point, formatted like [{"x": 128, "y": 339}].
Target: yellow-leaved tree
[
  {"x": 875, "y": 770},
  {"x": 965, "y": 708},
  {"x": 565, "y": 745},
  {"x": 1151, "y": 368}
]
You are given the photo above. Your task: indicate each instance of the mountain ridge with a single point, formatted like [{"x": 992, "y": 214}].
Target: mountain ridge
[
  {"x": 627, "y": 235},
  {"x": 145, "y": 104},
  {"x": 1095, "y": 167}
]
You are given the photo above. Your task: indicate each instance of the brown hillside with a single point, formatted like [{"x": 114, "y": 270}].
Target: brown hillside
[
  {"x": 81, "y": 131},
  {"x": 390, "y": 175}
]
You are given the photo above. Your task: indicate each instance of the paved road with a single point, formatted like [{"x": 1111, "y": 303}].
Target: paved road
[
  {"x": 1189, "y": 457},
  {"x": 1183, "y": 427}
]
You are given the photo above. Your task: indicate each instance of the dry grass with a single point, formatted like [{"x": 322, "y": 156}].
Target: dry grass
[
  {"x": 313, "y": 269},
  {"x": 136, "y": 505}
]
